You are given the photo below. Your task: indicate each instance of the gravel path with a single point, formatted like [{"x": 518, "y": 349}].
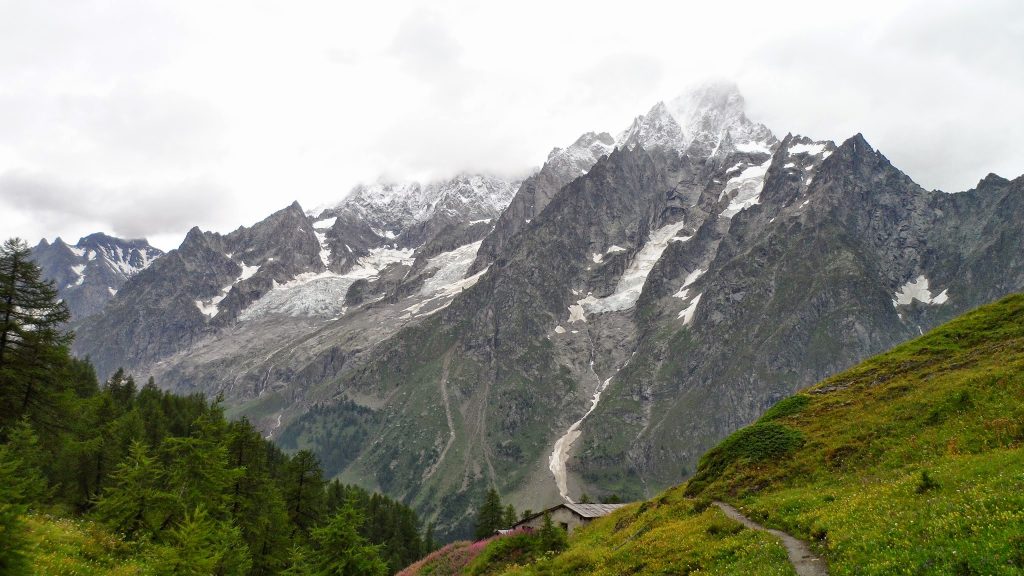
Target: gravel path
[{"x": 804, "y": 561}]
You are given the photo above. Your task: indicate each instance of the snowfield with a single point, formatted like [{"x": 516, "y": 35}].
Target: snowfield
[
  {"x": 323, "y": 294},
  {"x": 747, "y": 186},
  {"x": 917, "y": 289},
  {"x": 627, "y": 291}
]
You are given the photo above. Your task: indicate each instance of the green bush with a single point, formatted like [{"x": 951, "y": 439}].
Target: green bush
[
  {"x": 786, "y": 407},
  {"x": 759, "y": 442},
  {"x": 926, "y": 483}
]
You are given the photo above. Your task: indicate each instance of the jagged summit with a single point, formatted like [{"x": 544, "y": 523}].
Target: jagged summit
[
  {"x": 394, "y": 209},
  {"x": 700, "y": 122},
  {"x": 89, "y": 273},
  {"x": 637, "y": 300},
  {"x": 992, "y": 180}
]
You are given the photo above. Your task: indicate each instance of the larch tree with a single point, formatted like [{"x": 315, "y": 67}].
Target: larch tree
[
  {"x": 490, "y": 516},
  {"x": 33, "y": 340}
]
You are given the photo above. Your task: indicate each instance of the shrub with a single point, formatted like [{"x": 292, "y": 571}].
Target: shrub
[
  {"x": 762, "y": 441},
  {"x": 786, "y": 407},
  {"x": 925, "y": 483}
]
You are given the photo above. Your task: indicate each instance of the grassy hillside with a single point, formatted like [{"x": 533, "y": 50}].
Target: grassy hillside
[
  {"x": 80, "y": 547},
  {"x": 910, "y": 463}
]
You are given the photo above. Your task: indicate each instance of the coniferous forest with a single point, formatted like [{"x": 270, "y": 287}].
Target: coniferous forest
[{"x": 160, "y": 483}]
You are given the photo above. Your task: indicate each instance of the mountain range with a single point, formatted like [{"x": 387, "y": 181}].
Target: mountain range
[
  {"x": 90, "y": 273},
  {"x": 593, "y": 328}
]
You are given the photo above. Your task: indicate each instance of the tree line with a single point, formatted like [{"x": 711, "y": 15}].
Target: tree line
[{"x": 204, "y": 495}]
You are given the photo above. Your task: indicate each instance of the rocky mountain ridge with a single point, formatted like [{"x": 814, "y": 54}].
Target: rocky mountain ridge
[
  {"x": 89, "y": 273},
  {"x": 637, "y": 300}
]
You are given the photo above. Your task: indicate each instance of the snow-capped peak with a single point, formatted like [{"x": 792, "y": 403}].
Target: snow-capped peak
[
  {"x": 581, "y": 155},
  {"x": 699, "y": 123},
  {"x": 394, "y": 207}
]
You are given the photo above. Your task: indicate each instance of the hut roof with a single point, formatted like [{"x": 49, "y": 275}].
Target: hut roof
[
  {"x": 588, "y": 511},
  {"x": 593, "y": 510}
]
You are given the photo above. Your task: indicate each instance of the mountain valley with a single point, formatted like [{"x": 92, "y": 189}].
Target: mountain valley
[{"x": 592, "y": 328}]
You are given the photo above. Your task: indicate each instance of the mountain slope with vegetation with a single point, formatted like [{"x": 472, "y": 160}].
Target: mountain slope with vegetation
[
  {"x": 118, "y": 479},
  {"x": 909, "y": 463}
]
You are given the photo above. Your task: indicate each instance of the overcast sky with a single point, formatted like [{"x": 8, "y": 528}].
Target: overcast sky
[{"x": 142, "y": 118}]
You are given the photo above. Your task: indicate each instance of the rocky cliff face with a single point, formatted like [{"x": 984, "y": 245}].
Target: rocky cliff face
[
  {"x": 91, "y": 272},
  {"x": 639, "y": 298},
  {"x": 657, "y": 303},
  {"x": 291, "y": 271}
]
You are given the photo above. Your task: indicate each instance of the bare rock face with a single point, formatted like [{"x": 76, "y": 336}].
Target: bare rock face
[
  {"x": 687, "y": 295},
  {"x": 630, "y": 303},
  {"x": 290, "y": 265},
  {"x": 90, "y": 273}
]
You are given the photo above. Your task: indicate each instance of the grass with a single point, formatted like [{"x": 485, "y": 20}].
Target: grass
[
  {"x": 910, "y": 463},
  {"x": 64, "y": 547},
  {"x": 670, "y": 535}
]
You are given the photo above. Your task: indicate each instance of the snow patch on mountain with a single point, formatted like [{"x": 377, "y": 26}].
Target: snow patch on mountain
[
  {"x": 917, "y": 289},
  {"x": 449, "y": 270},
  {"x": 686, "y": 315},
  {"x": 210, "y": 307},
  {"x": 247, "y": 272},
  {"x": 813, "y": 149},
  {"x": 325, "y": 248},
  {"x": 577, "y": 314},
  {"x": 690, "y": 279},
  {"x": 79, "y": 270},
  {"x": 325, "y": 223},
  {"x": 391, "y": 208},
  {"x": 560, "y": 453},
  {"x": 448, "y": 279},
  {"x": 628, "y": 289},
  {"x": 744, "y": 190},
  {"x": 322, "y": 294}
]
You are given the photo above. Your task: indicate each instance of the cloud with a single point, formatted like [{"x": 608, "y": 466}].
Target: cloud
[
  {"x": 930, "y": 86},
  {"x": 426, "y": 47},
  {"x": 148, "y": 117},
  {"x": 130, "y": 211}
]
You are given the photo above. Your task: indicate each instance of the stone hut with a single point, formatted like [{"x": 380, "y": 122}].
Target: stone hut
[{"x": 568, "y": 515}]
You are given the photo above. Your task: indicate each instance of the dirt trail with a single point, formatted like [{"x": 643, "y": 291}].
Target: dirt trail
[{"x": 804, "y": 561}]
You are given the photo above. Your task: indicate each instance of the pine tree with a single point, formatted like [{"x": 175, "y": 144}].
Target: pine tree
[
  {"x": 256, "y": 504},
  {"x": 342, "y": 551},
  {"x": 122, "y": 389},
  {"x": 33, "y": 341},
  {"x": 298, "y": 562},
  {"x": 510, "y": 516},
  {"x": 552, "y": 537},
  {"x": 198, "y": 474},
  {"x": 429, "y": 540},
  {"x": 200, "y": 546},
  {"x": 13, "y": 559},
  {"x": 490, "y": 516},
  {"x": 304, "y": 492},
  {"x": 136, "y": 504},
  {"x": 24, "y": 444}
]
